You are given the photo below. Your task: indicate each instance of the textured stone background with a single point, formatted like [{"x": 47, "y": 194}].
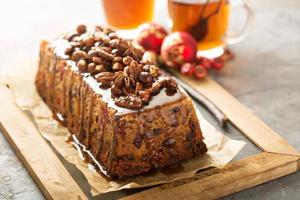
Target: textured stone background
[{"x": 264, "y": 76}]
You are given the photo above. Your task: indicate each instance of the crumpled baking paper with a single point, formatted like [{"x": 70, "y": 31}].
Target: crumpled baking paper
[{"x": 221, "y": 149}]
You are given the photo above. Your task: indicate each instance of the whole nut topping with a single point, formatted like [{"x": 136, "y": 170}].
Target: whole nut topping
[
  {"x": 105, "y": 78},
  {"x": 106, "y": 56},
  {"x": 119, "y": 44},
  {"x": 154, "y": 71},
  {"x": 145, "y": 96},
  {"x": 117, "y": 59},
  {"x": 69, "y": 50},
  {"x": 119, "y": 65},
  {"x": 138, "y": 87},
  {"x": 91, "y": 68},
  {"x": 170, "y": 83},
  {"x": 98, "y": 28},
  {"x": 145, "y": 77},
  {"x": 127, "y": 60},
  {"x": 133, "y": 70},
  {"x": 79, "y": 54},
  {"x": 81, "y": 29},
  {"x": 97, "y": 60},
  {"x": 100, "y": 68},
  {"x": 105, "y": 40},
  {"x": 81, "y": 65},
  {"x": 89, "y": 41},
  {"x": 156, "y": 86},
  {"x": 115, "y": 91}
]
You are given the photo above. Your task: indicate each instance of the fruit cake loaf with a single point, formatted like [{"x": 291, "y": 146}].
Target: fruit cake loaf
[{"x": 118, "y": 106}]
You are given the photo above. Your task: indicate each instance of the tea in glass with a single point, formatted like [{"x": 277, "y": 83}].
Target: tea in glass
[
  {"x": 206, "y": 20},
  {"x": 124, "y": 14}
]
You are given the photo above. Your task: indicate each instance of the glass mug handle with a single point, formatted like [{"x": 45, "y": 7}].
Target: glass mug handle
[{"x": 235, "y": 37}]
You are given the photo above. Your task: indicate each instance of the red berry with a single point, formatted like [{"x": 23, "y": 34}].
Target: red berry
[
  {"x": 200, "y": 71},
  {"x": 187, "y": 69},
  {"x": 206, "y": 62},
  {"x": 218, "y": 63}
]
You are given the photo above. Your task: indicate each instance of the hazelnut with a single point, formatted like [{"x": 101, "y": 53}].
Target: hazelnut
[
  {"x": 118, "y": 66},
  {"x": 68, "y": 50},
  {"x": 146, "y": 78},
  {"x": 91, "y": 68},
  {"x": 81, "y": 29},
  {"x": 100, "y": 68},
  {"x": 89, "y": 41},
  {"x": 81, "y": 65},
  {"x": 170, "y": 83},
  {"x": 117, "y": 59}
]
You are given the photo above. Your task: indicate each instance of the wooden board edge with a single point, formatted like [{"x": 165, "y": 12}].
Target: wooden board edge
[
  {"x": 241, "y": 117},
  {"x": 36, "y": 155},
  {"x": 24, "y": 161},
  {"x": 234, "y": 177}
]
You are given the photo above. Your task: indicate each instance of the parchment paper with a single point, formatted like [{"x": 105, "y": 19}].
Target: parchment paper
[{"x": 221, "y": 149}]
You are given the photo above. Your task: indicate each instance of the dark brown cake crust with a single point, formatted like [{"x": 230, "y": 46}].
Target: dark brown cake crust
[{"x": 123, "y": 142}]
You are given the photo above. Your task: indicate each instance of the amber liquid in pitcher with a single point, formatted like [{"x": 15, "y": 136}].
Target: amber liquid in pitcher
[
  {"x": 206, "y": 20},
  {"x": 124, "y": 14}
]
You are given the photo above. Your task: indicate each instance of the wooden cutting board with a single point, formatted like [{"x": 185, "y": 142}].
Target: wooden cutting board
[{"x": 278, "y": 158}]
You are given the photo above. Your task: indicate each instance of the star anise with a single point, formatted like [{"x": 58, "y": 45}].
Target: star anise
[
  {"x": 134, "y": 52},
  {"x": 123, "y": 78}
]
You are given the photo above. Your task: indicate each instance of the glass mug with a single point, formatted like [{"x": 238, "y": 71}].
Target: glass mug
[
  {"x": 207, "y": 21},
  {"x": 124, "y": 14}
]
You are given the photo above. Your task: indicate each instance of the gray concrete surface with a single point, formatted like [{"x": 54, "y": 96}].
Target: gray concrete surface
[{"x": 264, "y": 77}]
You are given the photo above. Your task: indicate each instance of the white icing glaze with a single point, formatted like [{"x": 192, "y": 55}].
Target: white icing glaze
[{"x": 160, "y": 99}]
